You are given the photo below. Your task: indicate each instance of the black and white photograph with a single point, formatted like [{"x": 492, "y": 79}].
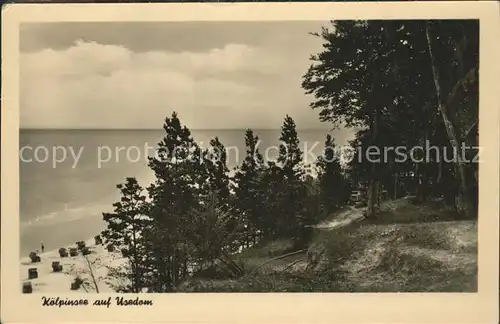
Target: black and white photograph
[
  {"x": 316, "y": 156},
  {"x": 240, "y": 156}
]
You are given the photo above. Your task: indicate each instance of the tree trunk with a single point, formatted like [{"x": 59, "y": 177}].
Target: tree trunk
[
  {"x": 424, "y": 186},
  {"x": 422, "y": 183},
  {"x": 370, "y": 207},
  {"x": 396, "y": 185},
  {"x": 370, "y": 204},
  {"x": 463, "y": 203},
  {"x": 231, "y": 264},
  {"x": 377, "y": 194},
  {"x": 440, "y": 172}
]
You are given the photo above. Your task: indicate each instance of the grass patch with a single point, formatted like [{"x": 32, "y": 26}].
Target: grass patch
[
  {"x": 400, "y": 271},
  {"x": 408, "y": 248},
  {"x": 268, "y": 249},
  {"x": 396, "y": 263},
  {"x": 401, "y": 268},
  {"x": 409, "y": 212},
  {"x": 268, "y": 283},
  {"x": 330, "y": 216},
  {"x": 342, "y": 244},
  {"x": 423, "y": 236},
  {"x": 258, "y": 254},
  {"x": 443, "y": 281}
]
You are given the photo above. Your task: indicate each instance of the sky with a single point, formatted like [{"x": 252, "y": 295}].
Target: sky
[{"x": 215, "y": 75}]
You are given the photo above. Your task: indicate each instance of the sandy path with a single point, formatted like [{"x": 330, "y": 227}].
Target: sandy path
[{"x": 345, "y": 218}]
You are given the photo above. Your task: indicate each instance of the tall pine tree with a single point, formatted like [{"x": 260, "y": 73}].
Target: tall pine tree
[
  {"x": 291, "y": 219},
  {"x": 290, "y": 155},
  {"x": 331, "y": 181},
  {"x": 175, "y": 193},
  {"x": 125, "y": 228},
  {"x": 218, "y": 172},
  {"x": 248, "y": 189}
]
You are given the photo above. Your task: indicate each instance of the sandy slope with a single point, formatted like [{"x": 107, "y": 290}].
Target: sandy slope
[
  {"x": 438, "y": 256},
  {"x": 409, "y": 248},
  {"x": 51, "y": 282}
]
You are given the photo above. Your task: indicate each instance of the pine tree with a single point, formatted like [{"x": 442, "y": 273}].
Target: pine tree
[
  {"x": 290, "y": 154},
  {"x": 370, "y": 75},
  {"x": 215, "y": 233},
  {"x": 248, "y": 189},
  {"x": 292, "y": 219},
  {"x": 218, "y": 172},
  {"x": 125, "y": 228},
  {"x": 175, "y": 193},
  {"x": 218, "y": 188},
  {"x": 331, "y": 180},
  {"x": 273, "y": 195}
]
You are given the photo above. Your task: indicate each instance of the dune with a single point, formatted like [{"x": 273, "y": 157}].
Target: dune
[{"x": 49, "y": 281}]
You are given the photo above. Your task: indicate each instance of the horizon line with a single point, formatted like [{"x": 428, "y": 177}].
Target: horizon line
[{"x": 161, "y": 129}]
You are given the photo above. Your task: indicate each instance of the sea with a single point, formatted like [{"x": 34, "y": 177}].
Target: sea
[{"x": 68, "y": 178}]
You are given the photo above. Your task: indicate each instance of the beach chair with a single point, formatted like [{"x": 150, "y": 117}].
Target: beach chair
[
  {"x": 80, "y": 244},
  {"x": 32, "y": 273},
  {"x": 34, "y": 257},
  {"x": 27, "y": 288},
  {"x": 56, "y": 266},
  {"x": 63, "y": 253}
]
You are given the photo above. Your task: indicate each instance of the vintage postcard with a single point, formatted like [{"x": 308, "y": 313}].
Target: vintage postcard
[{"x": 265, "y": 162}]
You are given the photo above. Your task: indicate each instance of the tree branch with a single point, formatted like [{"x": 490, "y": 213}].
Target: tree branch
[
  {"x": 467, "y": 133},
  {"x": 92, "y": 274},
  {"x": 469, "y": 77},
  {"x": 292, "y": 264}
]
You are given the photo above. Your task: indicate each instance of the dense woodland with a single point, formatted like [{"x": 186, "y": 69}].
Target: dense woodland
[{"x": 399, "y": 83}]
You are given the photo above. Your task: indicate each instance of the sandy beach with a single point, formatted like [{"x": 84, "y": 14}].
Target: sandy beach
[{"x": 49, "y": 281}]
